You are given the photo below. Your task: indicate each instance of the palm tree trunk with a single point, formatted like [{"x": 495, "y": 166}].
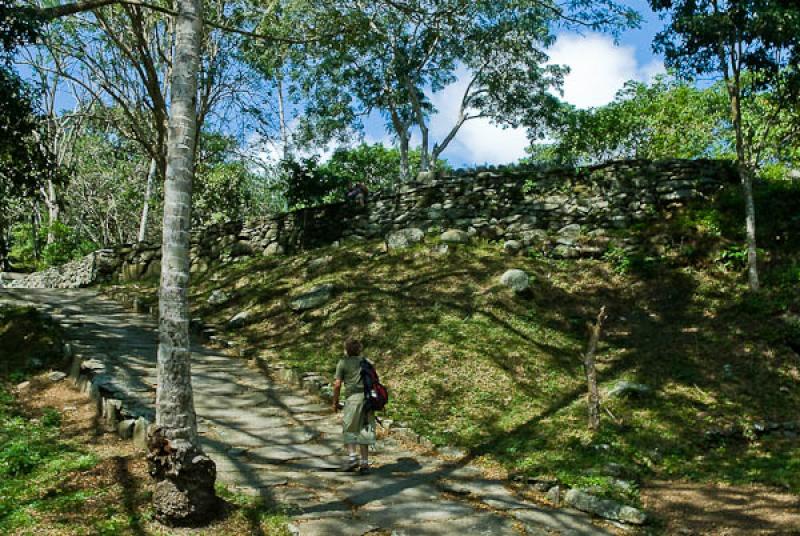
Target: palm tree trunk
[{"x": 185, "y": 489}]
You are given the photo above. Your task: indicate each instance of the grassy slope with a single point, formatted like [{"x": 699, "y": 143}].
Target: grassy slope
[{"x": 469, "y": 364}]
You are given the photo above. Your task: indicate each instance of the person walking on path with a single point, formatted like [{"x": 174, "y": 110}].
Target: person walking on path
[{"x": 358, "y": 424}]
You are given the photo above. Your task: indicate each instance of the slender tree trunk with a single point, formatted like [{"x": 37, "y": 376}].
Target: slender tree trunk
[
  {"x": 424, "y": 148},
  {"x": 750, "y": 224},
  {"x": 151, "y": 173},
  {"x": 36, "y": 219},
  {"x": 424, "y": 158},
  {"x": 282, "y": 119},
  {"x": 593, "y": 396},
  {"x": 401, "y": 128},
  {"x": 51, "y": 200},
  {"x": 185, "y": 489},
  {"x": 148, "y": 193},
  {"x": 4, "y": 240},
  {"x": 405, "y": 169},
  {"x": 746, "y": 176}
]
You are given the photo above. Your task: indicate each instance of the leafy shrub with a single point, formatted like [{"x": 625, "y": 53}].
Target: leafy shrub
[
  {"x": 618, "y": 258},
  {"x": 733, "y": 258},
  {"x": 32, "y": 250}
]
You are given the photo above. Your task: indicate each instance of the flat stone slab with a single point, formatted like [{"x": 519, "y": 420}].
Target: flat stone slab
[
  {"x": 565, "y": 520},
  {"x": 258, "y": 439},
  {"x": 242, "y": 477},
  {"x": 488, "y": 492},
  {"x": 475, "y": 525},
  {"x": 411, "y": 513},
  {"x": 284, "y": 453},
  {"x": 243, "y": 421},
  {"x": 390, "y": 490},
  {"x": 333, "y": 527}
]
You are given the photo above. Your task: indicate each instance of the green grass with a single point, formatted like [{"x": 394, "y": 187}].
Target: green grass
[{"x": 34, "y": 462}]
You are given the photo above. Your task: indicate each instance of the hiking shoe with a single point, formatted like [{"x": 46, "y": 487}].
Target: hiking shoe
[
  {"x": 349, "y": 466},
  {"x": 364, "y": 470}
]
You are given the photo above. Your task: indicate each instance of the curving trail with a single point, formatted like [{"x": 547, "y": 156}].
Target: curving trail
[{"x": 269, "y": 439}]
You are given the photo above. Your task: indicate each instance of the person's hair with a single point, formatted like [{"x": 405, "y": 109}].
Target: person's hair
[{"x": 353, "y": 347}]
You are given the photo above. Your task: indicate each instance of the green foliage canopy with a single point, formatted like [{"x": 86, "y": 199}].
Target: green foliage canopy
[{"x": 664, "y": 119}]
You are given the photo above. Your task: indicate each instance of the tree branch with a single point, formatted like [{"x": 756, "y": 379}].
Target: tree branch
[{"x": 55, "y": 12}]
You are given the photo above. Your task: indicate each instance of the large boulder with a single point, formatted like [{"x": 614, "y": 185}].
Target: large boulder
[
  {"x": 455, "y": 236},
  {"x": 273, "y": 249},
  {"x": 568, "y": 235},
  {"x": 404, "y": 238},
  {"x": 512, "y": 247},
  {"x": 604, "y": 508},
  {"x": 312, "y": 299},
  {"x": 625, "y": 388},
  {"x": 516, "y": 280}
]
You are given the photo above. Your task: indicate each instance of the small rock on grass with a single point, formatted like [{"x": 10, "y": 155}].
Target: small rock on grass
[
  {"x": 316, "y": 265},
  {"x": 456, "y": 236},
  {"x": 312, "y": 299},
  {"x": 218, "y": 297},
  {"x": 238, "y": 320},
  {"x": 626, "y": 388},
  {"x": 512, "y": 247},
  {"x": 404, "y": 238},
  {"x": 516, "y": 280}
]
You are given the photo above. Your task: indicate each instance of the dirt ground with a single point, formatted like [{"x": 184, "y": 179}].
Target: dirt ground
[
  {"x": 122, "y": 473},
  {"x": 688, "y": 508}
]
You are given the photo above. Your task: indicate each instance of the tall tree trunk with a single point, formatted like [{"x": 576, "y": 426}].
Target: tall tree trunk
[
  {"x": 401, "y": 129},
  {"x": 405, "y": 169},
  {"x": 151, "y": 173},
  {"x": 282, "y": 119},
  {"x": 185, "y": 489},
  {"x": 750, "y": 225},
  {"x": 36, "y": 220},
  {"x": 51, "y": 200},
  {"x": 4, "y": 240},
  {"x": 416, "y": 105},
  {"x": 148, "y": 193},
  {"x": 746, "y": 177}
]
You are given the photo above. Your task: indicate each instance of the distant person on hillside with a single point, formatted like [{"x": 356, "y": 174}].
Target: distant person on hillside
[
  {"x": 358, "y": 424},
  {"x": 358, "y": 194}
]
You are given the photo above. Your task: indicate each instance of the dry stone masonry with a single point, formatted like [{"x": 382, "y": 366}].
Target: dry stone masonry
[{"x": 565, "y": 212}]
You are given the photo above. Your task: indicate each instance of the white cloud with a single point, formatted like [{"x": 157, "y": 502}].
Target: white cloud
[
  {"x": 598, "y": 68},
  {"x": 478, "y": 140}
]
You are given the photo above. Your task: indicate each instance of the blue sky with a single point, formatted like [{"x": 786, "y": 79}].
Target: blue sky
[{"x": 599, "y": 68}]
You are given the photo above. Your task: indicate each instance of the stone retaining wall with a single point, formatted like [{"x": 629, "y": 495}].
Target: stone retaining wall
[{"x": 524, "y": 207}]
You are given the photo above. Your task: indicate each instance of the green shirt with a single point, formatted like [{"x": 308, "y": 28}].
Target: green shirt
[{"x": 349, "y": 371}]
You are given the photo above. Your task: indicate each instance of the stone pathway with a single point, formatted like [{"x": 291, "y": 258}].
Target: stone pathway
[{"x": 269, "y": 439}]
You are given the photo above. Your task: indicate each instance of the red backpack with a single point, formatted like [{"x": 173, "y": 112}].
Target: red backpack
[{"x": 375, "y": 394}]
